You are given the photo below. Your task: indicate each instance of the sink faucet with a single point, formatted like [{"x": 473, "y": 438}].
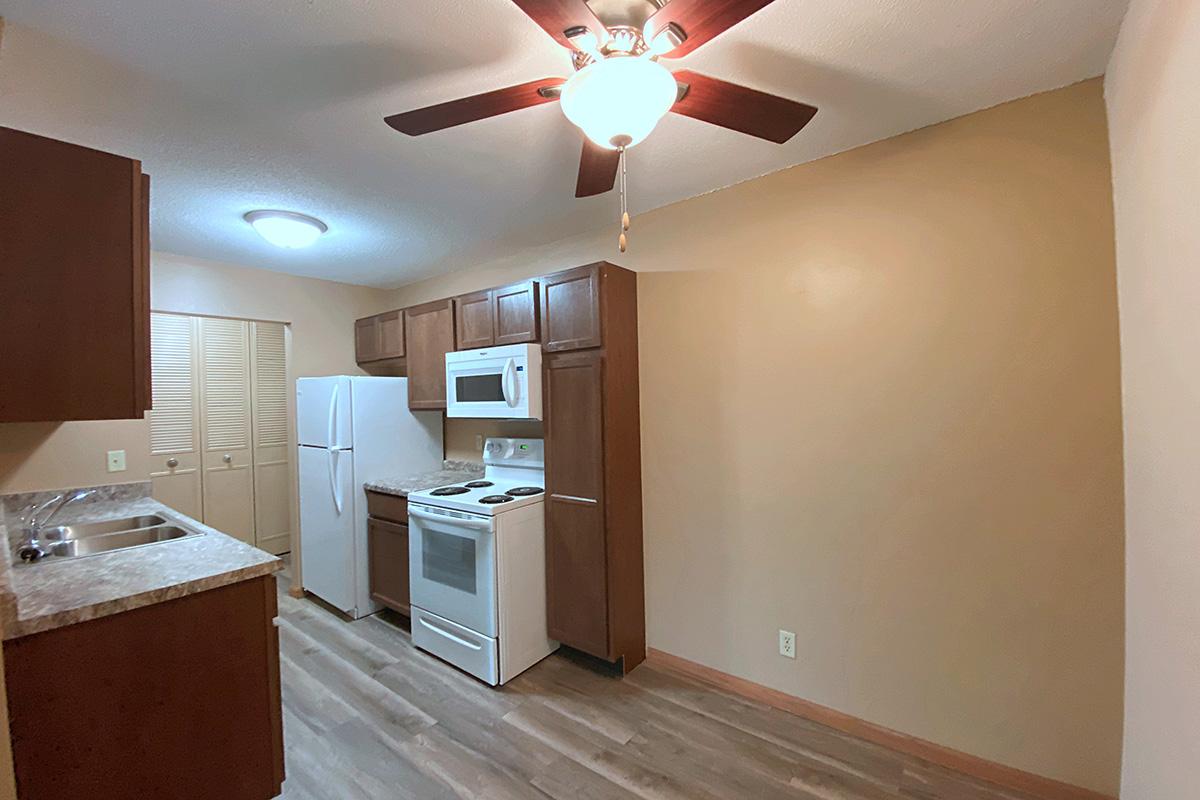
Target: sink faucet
[{"x": 35, "y": 518}]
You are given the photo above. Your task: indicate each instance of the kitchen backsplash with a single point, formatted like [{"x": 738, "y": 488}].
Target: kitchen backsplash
[{"x": 461, "y": 435}]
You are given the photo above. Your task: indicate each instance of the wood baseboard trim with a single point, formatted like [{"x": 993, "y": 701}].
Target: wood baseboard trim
[
  {"x": 981, "y": 768},
  {"x": 296, "y": 591}
]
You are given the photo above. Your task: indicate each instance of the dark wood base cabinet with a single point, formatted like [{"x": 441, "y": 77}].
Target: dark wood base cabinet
[
  {"x": 595, "y": 588},
  {"x": 176, "y": 700},
  {"x": 387, "y": 542}
]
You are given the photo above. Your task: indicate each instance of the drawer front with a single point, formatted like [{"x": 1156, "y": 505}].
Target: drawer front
[
  {"x": 464, "y": 648},
  {"x": 388, "y": 506}
]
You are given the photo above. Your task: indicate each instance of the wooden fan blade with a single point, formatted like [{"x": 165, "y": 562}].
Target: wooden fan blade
[
  {"x": 557, "y": 16},
  {"x": 480, "y": 106},
  {"x": 701, "y": 20},
  {"x": 739, "y": 108},
  {"x": 597, "y": 169}
]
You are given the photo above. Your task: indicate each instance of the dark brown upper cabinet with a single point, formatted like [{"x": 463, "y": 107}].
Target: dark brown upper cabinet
[
  {"x": 595, "y": 599},
  {"x": 75, "y": 275},
  {"x": 508, "y": 315},
  {"x": 571, "y": 309},
  {"x": 475, "y": 319},
  {"x": 379, "y": 337},
  {"x": 428, "y": 336}
]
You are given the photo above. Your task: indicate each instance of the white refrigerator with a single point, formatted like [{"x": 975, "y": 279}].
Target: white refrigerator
[{"x": 352, "y": 430}]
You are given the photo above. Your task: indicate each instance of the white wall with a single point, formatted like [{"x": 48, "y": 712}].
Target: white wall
[{"x": 1153, "y": 96}]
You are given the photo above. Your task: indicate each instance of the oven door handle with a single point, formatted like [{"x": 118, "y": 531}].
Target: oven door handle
[{"x": 484, "y": 525}]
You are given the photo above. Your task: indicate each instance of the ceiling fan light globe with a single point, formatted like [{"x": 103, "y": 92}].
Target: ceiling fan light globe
[{"x": 619, "y": 99}]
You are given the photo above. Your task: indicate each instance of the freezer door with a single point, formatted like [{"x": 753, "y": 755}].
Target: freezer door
[
  {"x": 323, "y": 417},
  {"x": 327, "y": 551}
]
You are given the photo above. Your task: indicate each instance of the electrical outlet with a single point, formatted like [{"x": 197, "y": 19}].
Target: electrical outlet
[
  {"x": 787, "y": 643},
  {"x": 116, "y": 460}
]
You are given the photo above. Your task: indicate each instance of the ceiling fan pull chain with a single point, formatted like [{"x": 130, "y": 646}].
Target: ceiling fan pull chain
[{"x": 622, "y": 241}]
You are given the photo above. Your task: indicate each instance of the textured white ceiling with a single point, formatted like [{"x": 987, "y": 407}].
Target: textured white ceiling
[{"x": 240, "y": 104}]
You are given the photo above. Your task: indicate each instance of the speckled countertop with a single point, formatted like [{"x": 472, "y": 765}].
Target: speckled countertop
[
  {"x": 52, "y": 594},
  {"x": 451, "y": 472}
]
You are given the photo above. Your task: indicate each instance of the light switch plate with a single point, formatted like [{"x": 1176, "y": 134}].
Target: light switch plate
[{"x": 116, "y": 460}]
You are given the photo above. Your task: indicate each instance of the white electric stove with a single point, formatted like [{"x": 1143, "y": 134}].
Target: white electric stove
[{"x": 477, "y": 565}]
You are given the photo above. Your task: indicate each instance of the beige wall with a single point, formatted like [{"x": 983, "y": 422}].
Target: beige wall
[
  {"x": 463, "y": 441},
  {"x": 321, "y": 313},
  {"x": 880, "y": 408},
  {"x": 1154, "y": 116}
]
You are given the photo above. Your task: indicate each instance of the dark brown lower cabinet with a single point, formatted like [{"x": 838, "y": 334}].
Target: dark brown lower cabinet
[
  {"x": 178, "y": 699},
  {"x": 594, "y": 580},
  {"x": 389, "y": 563},
  {"x": 387, "y": 540},
  {"x": 576, "y": 576}
]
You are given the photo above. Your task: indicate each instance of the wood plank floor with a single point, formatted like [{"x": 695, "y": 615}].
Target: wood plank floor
[{"x": 367, "y": 715}]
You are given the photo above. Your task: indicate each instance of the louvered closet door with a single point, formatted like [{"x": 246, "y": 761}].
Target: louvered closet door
[
  {"x": 175, "y": 414},
  {"x": 225, "y": 426},
  {"x": 272, "y": 475}
]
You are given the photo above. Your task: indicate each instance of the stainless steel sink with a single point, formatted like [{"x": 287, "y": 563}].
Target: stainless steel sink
[
  {"x": 102, "y": 536},
  {"x": 84, "y": 530},
  {"x": 90, "y": 545}
]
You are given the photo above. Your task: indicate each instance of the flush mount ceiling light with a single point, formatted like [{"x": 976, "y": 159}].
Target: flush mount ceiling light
[
  {"x": 286, "y": 228},
  {"x": 619, "y": 91}
]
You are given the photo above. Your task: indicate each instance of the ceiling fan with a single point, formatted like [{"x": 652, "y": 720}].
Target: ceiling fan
[{"x": 619, "y": 90}]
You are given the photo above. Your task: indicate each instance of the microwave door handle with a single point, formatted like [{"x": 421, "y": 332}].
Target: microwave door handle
[{"x": 508, "y": 383}]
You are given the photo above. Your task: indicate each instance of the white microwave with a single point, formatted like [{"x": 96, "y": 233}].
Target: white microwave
[{"x": 495, "y": 382}]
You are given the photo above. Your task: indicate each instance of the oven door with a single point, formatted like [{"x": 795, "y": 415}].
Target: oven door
[
  {"x": 489, "y": 387},
  {"x": 452, "y": 566}
]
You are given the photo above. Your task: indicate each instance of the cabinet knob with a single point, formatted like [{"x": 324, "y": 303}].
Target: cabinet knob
[
  {"x": 228, "y": 459},
  {"x": 172, "y": 463}
]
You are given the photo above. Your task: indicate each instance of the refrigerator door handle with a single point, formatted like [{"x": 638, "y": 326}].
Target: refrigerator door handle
[
  {"x": 331, "y": 443},
  {"x": 335, "y": 485}
]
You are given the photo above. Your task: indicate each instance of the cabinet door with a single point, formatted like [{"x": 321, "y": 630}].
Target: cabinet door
[
  {"x": 141, "y": 329},
  {"x": 571, "y": 309},
  {"x": 74, "y": 279},
  {"x": 388, "y": 542},
  {"x": 228, "y": 482},
  {"x": 367, "y": 343},
  {"x": 428, "y": 336},
  {"x": 391, "y": 334},
  {"x": 576, "y": 564},
  {"x": 516, "y": 313},
  {"x": 475, "y": 321}
]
